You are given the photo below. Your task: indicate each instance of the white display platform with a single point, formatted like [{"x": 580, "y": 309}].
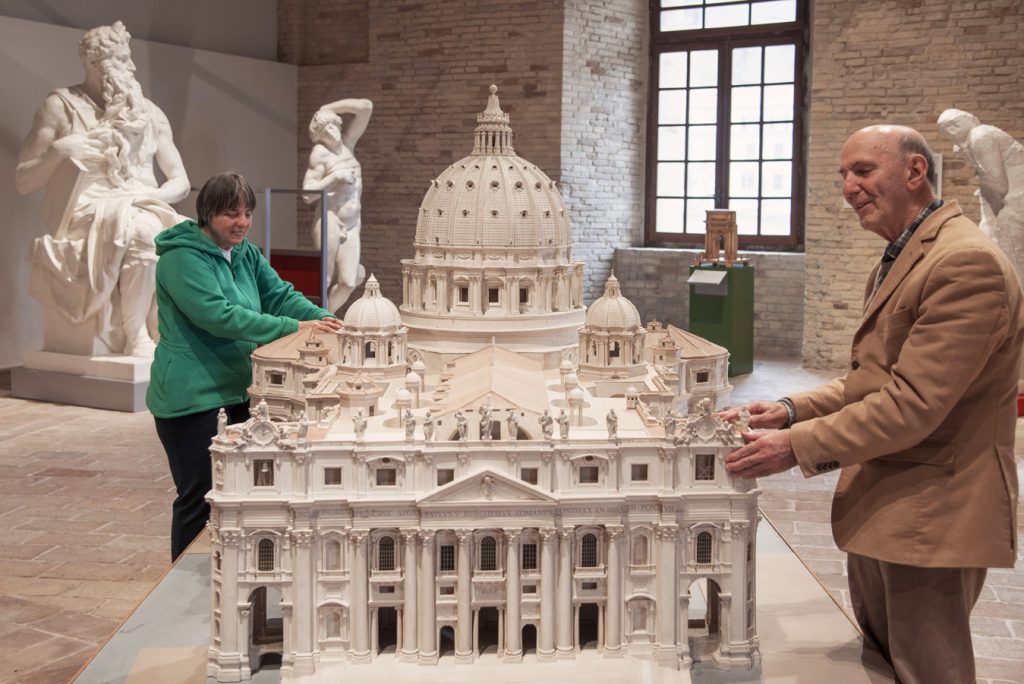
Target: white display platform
[
  {"x": 118, "y": 383},
  {"x": 804, "y": 637}
]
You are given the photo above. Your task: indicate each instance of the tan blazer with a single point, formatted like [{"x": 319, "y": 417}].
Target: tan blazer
[{"x": 923, "y": 422}]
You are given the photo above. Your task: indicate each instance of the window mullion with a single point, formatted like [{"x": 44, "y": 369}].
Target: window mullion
[{"x": 724, "y": 107}]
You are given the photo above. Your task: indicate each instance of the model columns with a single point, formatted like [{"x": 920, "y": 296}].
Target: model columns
[
  {"x": 665, "y": 629},
  {"x": 564, "y": 620},
  {"x": 513, "y": 649},
  {"x": 613, "y": 613},
  {"x": 302, "y": 602},
  {"x": 409, "y": 597},
  {"x": 428, "y": 621},
  {"x": 464, "y": 632},
  {"x": 360, "y": 599},
  {"x": 546, "y": 638}
]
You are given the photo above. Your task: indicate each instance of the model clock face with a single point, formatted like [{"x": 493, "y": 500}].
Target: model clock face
[
  {"x": 705, "y": 428},
  {"x": 263, "y": 433}
]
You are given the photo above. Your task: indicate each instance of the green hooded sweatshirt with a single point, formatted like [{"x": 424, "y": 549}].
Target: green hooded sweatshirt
[{"x": 212, "y": 315}]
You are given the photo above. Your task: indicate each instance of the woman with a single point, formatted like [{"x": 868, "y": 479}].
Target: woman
[{"x": 218, "y": 299}]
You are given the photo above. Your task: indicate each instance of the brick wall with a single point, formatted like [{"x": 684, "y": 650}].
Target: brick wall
[
  {"x": 604, "y": 99},
  {"x": 655, "y": 281},
  {"x": 571, "y": 75},
  {"x": 896, "y": 62},
  {"x": 427, "y": 71}
]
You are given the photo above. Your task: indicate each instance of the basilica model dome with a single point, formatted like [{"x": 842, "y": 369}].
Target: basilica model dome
[
  {"x": 493, "y": 198},
  {"x": 611, "y": 344},
  {"x": 613, "y": 312},
  {"x": 373, "y": 311},
  {"x": 493, "y": 254}
]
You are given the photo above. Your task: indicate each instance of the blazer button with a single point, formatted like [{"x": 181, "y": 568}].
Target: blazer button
[{"x": 855, "y": 364}]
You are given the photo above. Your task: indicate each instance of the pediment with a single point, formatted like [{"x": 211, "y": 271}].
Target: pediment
[{"x": 486, "y": 487}]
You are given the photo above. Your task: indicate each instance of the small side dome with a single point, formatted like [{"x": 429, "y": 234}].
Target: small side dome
[
  {"x": 373, "y": 311},
  {"x": 613, "y": 312}
]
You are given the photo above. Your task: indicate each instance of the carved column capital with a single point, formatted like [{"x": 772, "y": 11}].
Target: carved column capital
[
  {"x": 302, "y": 538},
  {"x": 427, "y": 536},
  {"x": 512, "y": 535},
  {"x": 410, "y": 536},
  {"x": 613, "y": 531},
  {"x": 230, "y": 537},
  {"x": 666, "y": 532},
  {"x": 358, "y": 536},
  {"x": 464, "y": 536},
  {"x": 548, "y": 533},
  {"x": 566, "y": 532}
]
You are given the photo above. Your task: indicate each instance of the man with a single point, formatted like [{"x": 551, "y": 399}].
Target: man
[
  {"x": 922, "y": 424},
  {"x": 333, "y": 167},
  {"x": 99, "y": 265}
]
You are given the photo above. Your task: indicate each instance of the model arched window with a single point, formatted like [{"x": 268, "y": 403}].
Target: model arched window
[
  {"x": 265, "y": 555},
  {"x": 704, "y": 547},
  {"x": 332, "y": 556},
  {"x": 488, "y": 554},
  {"x": 333, "y": 625},
  {"x": 386, "y": 554},
  {"x": 613, "y": 350},
  {"x": 640, "y": 550},
  {"x": 588, "y": 551},
  {"x": 370, "y": 351}
]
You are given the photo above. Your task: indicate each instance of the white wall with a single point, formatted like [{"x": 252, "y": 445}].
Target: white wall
[
  {"x": 227, "y": 112},
  {"x": 247, "y": 28}
]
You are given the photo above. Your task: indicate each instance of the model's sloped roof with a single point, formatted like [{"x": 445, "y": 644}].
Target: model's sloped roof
[
  {"x": 488, "y": 487},
  {"x": 287, "y": 348},
  {"x": 495, "y": 371},
  {"x": 690, "y": 346}
]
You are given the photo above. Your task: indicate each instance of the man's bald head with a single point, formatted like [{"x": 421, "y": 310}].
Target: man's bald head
[
  {"x": 888, "y": 177},
  {"x": 905, "y": 141}
]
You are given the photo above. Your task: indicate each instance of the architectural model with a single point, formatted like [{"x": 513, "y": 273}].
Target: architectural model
[
  {"x": 720, "y": 237},
  {"x": 490, "y": 471}
]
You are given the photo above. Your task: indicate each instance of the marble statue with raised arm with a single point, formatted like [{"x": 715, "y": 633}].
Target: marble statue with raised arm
[
  {"x": 335, "y": 129},
  {"x": 93, "y": 147},
  {"x": 998, "y": 161}
]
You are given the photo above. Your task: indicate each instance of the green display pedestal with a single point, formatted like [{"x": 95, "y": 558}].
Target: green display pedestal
[{"x": 724, "y": 313}]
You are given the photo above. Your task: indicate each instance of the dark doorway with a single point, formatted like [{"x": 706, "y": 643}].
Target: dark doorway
[
  {"x": 487, "y": 633},
  {"x": 267, "y": 622},
  {"x": 270, "y": 661},
  {"x": 589, "y": 614},
  {"x": 529, "y": 639},
  {"x": 446, "y": 642},
  {"x": 387, "y": 630}
]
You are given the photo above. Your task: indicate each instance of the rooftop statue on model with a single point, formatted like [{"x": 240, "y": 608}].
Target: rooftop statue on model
[
  {"x": 335, "y": 129},
  {"x": 383, "y": 539},
  {"x": 93, "y": 147}
]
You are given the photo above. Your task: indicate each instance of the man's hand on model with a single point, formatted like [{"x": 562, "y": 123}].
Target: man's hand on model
[
  {"x": 770, "y": 415},
  {"x": 765, "y": 453}
]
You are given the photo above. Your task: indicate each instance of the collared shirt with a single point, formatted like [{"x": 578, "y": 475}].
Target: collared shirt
[{"x": 894, "y": 248}]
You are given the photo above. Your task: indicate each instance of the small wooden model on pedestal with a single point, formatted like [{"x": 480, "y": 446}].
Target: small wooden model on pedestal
[{"x": 720, "y": 235}]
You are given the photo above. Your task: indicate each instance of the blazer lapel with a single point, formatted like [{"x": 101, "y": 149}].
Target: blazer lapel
[{"x": 908, "y": 258}]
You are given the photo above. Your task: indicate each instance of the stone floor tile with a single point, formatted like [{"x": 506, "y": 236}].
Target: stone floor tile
[
  {"x": 23, "y": 552},
  {"x": 34, "y": 586},
  {"x": 106, "y": 589},
  {"x": 115, "y": 609},
  {"x": 18, "y": 665},
  {"x": 990, "y": 627},
  {"x": 87, "y": 628},
  {"x": 55, "y": 672},
  {"x": 87, "y": 570},
  {"x": 90, "y": 554}
]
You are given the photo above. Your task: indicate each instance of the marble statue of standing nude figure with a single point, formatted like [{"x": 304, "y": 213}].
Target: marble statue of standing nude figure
[{"x": 335, "y": 129}]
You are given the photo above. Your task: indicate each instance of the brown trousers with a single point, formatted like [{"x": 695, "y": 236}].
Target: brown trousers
[{"x": 918, "y": 618}]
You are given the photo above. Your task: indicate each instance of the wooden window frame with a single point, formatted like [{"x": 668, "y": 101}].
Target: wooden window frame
[{"x": 724, "y": 40}]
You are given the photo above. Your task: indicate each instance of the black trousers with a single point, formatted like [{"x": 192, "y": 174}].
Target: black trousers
[{"x": 186, "y": 440}]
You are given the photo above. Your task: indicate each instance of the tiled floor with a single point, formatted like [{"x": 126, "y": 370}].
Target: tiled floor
[{"x": 85, "y": 506}]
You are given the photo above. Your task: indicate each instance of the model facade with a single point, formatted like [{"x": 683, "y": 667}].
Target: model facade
[{"x": 460, "y": 477}]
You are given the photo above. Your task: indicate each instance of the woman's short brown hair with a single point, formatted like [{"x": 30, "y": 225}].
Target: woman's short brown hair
[{"x": 223, "y": 192}]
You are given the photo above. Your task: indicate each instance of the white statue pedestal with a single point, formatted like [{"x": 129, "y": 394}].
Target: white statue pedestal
[{"x": 117, "y": 383}]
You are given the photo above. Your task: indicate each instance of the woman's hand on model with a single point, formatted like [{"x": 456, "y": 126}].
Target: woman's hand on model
[{"x": 324, "y": 325}]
